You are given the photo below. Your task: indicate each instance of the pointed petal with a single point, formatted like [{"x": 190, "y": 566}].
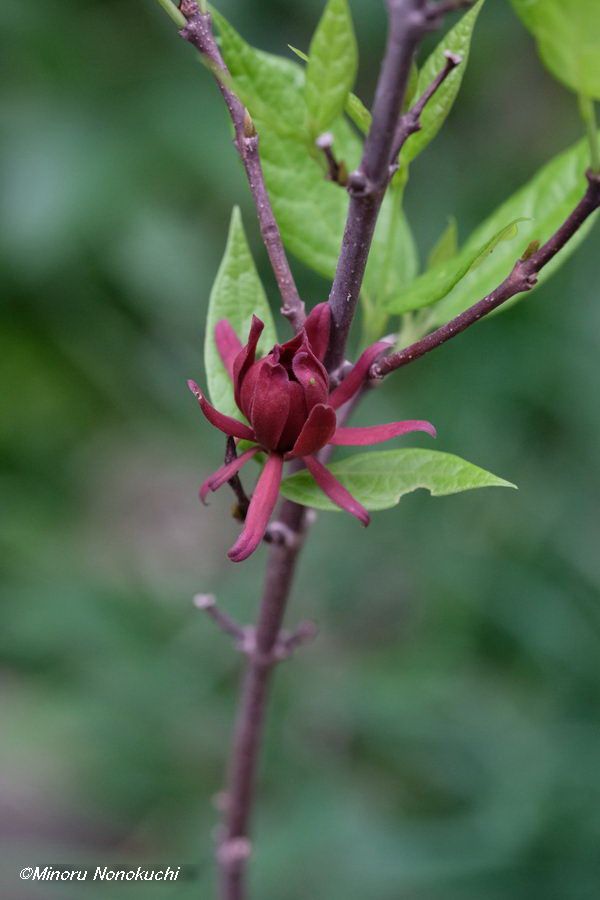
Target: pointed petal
[
  {"x": 336, "y": 492},
  {"x": 376, "y": 434},
  {"x": 318, "y": 327},
  {"x": 271, "y": 404},
  {"x": 316, "y": 431},
  {"x": 261, "y": 507},
  {"x": 224, "y": 423},
  {"x": 222, "y": 475},
  {"x": 355, "y": 378},
  {"x": 228, "y": 344},
  {"x": 312, "y": 375},
  {"x": 245, "y": 358}
]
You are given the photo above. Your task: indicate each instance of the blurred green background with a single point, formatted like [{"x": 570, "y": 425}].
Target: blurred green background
[{"x": 441, "y": 739}]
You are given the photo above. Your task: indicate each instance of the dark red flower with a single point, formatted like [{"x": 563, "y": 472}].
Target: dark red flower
[{"x": 292, "y": 414}]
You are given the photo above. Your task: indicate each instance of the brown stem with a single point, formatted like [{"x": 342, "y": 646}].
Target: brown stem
[
  {"x": 234, "y": 848},
  {"x": 198, "y": 32},
  {"x": 522, "y": 278}
]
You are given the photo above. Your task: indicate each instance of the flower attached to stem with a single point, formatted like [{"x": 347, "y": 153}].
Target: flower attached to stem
[{"x": 286, "y": 399}]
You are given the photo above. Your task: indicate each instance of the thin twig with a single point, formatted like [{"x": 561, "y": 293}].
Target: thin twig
[
  {"x": 410, "y": 122},
  {"x": 235, "y": 483},
  {"x": 208, "y": 604},
  {"x": 198, "y": 32},
  {"x": 523, "y": 277},
  {"x": 409, "y": 21},
  {"x": 336, "y": 171}
]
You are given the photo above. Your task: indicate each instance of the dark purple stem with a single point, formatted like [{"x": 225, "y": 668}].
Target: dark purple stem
[
  {"x": 234, "y": 847},
  {"x": 409, "y": 20},
  {"x": 198, "y": 32},
  {"x": 522, "y": 278}
]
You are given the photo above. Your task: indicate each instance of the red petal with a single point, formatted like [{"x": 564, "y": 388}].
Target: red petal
[
  {"x": 222, "y": 475},
  {"x": 318, "y": 327},
  {"x": 228, "y": 344},
  {"x": 312, "y": 375},
  {"x": 376, "y": 434},
  {"x": 261, "y": 507},
  {"x": 224, "y": 423},
  {"x": 317, "y": 430},
  {"x": 336, "y": 492},
  {"x": 355, "y": 378},
  {"x": 271, "y": 404},
  {"x": 245, "y": 358}
]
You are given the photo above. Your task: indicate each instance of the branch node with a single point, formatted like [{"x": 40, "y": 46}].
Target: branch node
[
  {"x": 233, "y": 851},
  {"x": 189, "y": 8},
  {"x": 288, "y": 643},
  {"x": 280, "y": 534},
  {"x": 337, "y": 171}
]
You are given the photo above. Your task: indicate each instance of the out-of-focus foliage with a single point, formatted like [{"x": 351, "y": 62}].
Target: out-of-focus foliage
[
  {"x": 440, "y": 739},
  {"x": 567, "y": 34}
]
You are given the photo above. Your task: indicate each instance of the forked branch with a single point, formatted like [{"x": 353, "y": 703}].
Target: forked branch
[{"x": 409, "y": 21}]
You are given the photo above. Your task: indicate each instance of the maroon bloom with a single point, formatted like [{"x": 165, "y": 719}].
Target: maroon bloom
[{"x": 292, "y": 414}]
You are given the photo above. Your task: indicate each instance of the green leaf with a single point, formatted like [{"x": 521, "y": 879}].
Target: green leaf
[
  {"x": 393, "y": 261},
  {"x": 310, "y": 211},
  {"x": 545, "y": 202},
  {"x": 378, "y": 480},
  {"x": 331, "y": 68},
  {"x": 237, "y": 294},
  {"x": 434, "y": 285},
  {"x": 458, "y": 40},
  {"x": 446, "y": 246},
  {"x": 355, "y": 109},
  {"x": 567, "y": 33},
  {"x": 358, "y": 112},
  {"x": 272, "y": 87}
]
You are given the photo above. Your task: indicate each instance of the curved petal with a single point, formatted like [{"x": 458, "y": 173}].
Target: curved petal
[
  {"x": 336, "y": 492},
  {"x": 312, "y": 376},
  {"x": 261, "y": 507},
  {"x": 246, "y": 357},
  {"x": 271, "y": 404},
  {"x": 376, "y": 434},
  {"x": 224, "y": 423},
  {"x": 228, "y": 344},
  {"x": 226, "y": 472},
  {"x": 355, "y": 378},
  {"x": 316, "y": 431},
  {"x": 318, "y": 327}
]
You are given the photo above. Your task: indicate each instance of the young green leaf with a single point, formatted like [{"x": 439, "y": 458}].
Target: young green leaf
[
  {"x": 545, "y": 202},
  {"x": 393, "y": 262},
  {"x": 310, "y": 211},
  {"x": 358, "y": 113},
  {"x": 434, "y": 285},
  {"x": 355, "y": 109},
  {"x": 446, "y": 246},
  {"x": 237, "y": 294},
  {"x": 331, "y": 68},
  {"x": 567, "y": 33},
  {"x": 378, "y": 480},
  {"x": 458, "y": 41},
  {"x": 272, "y": 87}
]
